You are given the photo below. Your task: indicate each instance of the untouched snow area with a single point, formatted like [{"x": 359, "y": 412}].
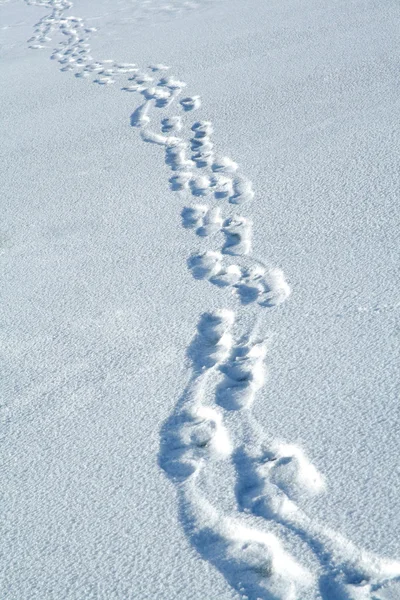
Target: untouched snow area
[{"x": 199, "y": 245}]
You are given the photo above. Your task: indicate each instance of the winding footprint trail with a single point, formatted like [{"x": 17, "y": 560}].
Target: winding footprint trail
[{"x": 212, "y": 423}]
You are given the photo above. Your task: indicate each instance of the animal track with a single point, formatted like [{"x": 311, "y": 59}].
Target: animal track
[
  {"x": 201, "y": 144},
  {"x": 225, "y": 165},
  {"x": 194, "y": 433},
  {"x": 206, "y": 265},
  {"x": 194, "y": 429},
  {"x": 171, "y": 124},
  {"x": 200, "y": 185},
  {"x": 242, "y": 191},
  {"x": 277, "y": 288},
  {"x": 206, "y": 221},
  {"x": 176, "y": 158},
  {"x": 192, "y": 440},
  {"x": 244, "y": 376},
  {"x": 192, "y": 216},
  {"x": 293, "y": 473},
  {"x": 238, "y": 236},
  {"x": 269, "y": 484},
  {"x": 253, "y": 562},
  {"x": 180, "y": 182},
  {"x": 273, "y": 480},
  {"x": 191, "y": 103},
  {"x": 268, "y": 288},
  {"x": 159, "y": 67},
  {"x": 223, "y": 186}
]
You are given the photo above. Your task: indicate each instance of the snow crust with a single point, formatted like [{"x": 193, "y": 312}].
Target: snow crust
[{"x": 199, "y": 248}]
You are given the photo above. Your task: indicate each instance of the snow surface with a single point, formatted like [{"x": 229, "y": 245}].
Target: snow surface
[{"x": 200, "y": 239}]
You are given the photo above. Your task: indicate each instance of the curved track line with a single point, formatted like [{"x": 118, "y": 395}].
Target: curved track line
[{"x": 271, "y": 478}]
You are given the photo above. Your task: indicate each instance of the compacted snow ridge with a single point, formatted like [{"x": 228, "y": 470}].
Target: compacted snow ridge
[{"x": 212, "y": 424}]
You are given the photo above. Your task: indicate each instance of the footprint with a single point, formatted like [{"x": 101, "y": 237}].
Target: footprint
[
  {"x": 190, "y": 103},
  {"x": 106, "y": 72},
  {"x": 253, "y": 562},
  {"x": 192, "y": 217},
  {"x": 159, "y": 67},
  {"x": 104, "y": 80},
  {"x": 172, "y": 83},
  {"x": 254, "y": 491},
  {"x": 223, "y": 186},
  {"x": 203, "y": 158},
  {"x": 202, "y": 129},
  {"x": 211, "y": 222},
  {"x": 171, "y": 124},
  {"x": 238, "y": 236},
  {"x": 347, "y": 573},
  {"x": 181, "y": 181},
  {"x": 294, "y": 474},
  {"x": 159, "y": 94},
  {"x": 242, "y": 191},
  {"x": 205, "y": 220},
  {"x": 176, "y": 157},
  {"x": 244, "y": 375},
  {"x": 202, "y": 146},
  {"x": 95, "y": 68},
  {"x": 126, "y": 68},
  {"x": 251, "y": 285},
  {"x": 213, "y": 341},
  {"x": 200, "y": 186},
  {"x": 135, "y": 87},
  {"x": 82, "y": 75},
  {"x": 225, "y": 165},
  {"x": 278, "y": 289},
  {"x": 227, "y": 276},
  {"x": 142, "y": 78},
  {"x": 206, "y": 265},
  {"x": 191, "y": 436}
]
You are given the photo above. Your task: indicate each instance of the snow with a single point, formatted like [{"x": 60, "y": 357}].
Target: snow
[{"x": 199, "y": 248}]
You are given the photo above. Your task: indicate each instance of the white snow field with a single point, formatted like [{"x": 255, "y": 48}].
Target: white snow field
[{"x": 200, "y": 298}]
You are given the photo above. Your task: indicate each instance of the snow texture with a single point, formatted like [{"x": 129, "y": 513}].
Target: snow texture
[{"x": 140, "y": 260}]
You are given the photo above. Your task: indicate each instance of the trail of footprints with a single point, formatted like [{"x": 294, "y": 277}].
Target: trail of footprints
[
  {"x": 272, "y": 479},
  {"x": 195, "y": 166},
  {"x": 253, "y": 562}
]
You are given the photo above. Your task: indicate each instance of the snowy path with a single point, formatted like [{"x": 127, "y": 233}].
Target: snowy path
[{"x": 212, "y": 424}]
